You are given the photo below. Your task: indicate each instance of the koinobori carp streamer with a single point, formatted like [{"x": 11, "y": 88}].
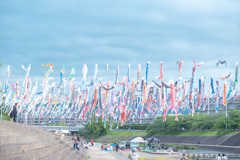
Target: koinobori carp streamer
[{"x": 117, "y": 101}]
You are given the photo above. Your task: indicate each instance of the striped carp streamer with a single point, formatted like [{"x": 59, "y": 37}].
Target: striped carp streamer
[
  {"x": 62, "y": 78},
  {"x": 147, "y": 72},
  {"x": 107, "y": 69},
  {"x": 236, "y": 73},
  {"x": 172, "y": 97},
  {"x": 179, "y": 63},
  {"x": 129, "y": 66},
  {"x": 222, "y": 62},
  {"x": 8, "y": 72},
  {"x": 48, "y": 65},
  {"x": 212, "y": 85},
  {"x": 138, "y": 73},
  {"x": 95, "y": 72},
  {"x": 225, "y": 93},
  {"x": 195, "y": 64},
  {"x": 161, "y": 72},
  {"x": 84, "y": 72},
  {"x": 72, "y": 75},
  {"x": 133, "y": 99},
  {"x": 228, "y": 76}
]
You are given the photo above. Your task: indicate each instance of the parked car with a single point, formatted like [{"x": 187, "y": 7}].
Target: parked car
[{"x": 128, "y": 145}]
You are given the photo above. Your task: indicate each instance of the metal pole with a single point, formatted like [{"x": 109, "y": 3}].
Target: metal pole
[
  {"x": 226, "y": 104},
  {"x": 226, "y": 115},
  {"x": 208, "y": 103},
  {"x": 1, "y": 112},
  {"x": 226, "y": 108}
]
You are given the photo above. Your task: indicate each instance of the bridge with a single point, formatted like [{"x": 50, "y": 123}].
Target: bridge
[{"x": 54, "y": 128}]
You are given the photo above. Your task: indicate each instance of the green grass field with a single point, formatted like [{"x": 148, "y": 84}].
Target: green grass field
[
  {"x": 126, "y": 133},
  {"x": 190, "y": 133}
]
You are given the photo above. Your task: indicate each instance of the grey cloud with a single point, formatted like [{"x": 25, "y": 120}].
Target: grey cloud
[{"x": 118, "y": 32}]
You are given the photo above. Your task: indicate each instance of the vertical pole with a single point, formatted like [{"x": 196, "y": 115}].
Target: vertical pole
[
  {"x": 226, "y": 110},
  {"x": 1, "y": 112},
  {"x": 208, "y": 104},
  {"x": 226, "y": 115}
]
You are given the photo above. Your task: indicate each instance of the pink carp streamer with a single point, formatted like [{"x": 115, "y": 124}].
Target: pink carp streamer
[
  {"x": 225, "y": 93},
  {"x": 172, "y": 98},
  {"x": 179, "y": 63},
  {"x": 178, "y": 104}
]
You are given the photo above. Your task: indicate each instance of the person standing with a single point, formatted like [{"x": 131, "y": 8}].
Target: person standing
[
  {"x": 92, "y": 142},
  {"x": 117, "y": 147},
  {"x": 75, "y": 145},
  {"x": 14, "y": 112}
]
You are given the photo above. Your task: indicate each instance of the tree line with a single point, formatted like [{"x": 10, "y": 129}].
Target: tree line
[
  {"x": 186, "y": 122},
  {"x": 198, "y": 122}
]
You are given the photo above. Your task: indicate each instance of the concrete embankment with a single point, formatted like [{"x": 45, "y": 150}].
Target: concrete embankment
[
  {"x": 224, "y": 143},
  {"x": 22, "y": 142}
]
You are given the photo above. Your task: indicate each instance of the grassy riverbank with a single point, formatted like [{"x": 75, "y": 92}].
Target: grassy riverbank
[
  {"x": 117, "y": 136},
  {"x": 125, "y": 133},
  {"x": 189, "y": 133}
]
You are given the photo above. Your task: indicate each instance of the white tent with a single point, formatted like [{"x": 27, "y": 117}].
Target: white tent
[{"x": 138, "y": 139}]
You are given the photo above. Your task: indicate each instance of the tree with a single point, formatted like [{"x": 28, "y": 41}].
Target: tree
[
  {"x": 94, "y": 129},
  {"x": 62, "y": 124},
  {"x": 234, "y": 119},
  {"x": 202, "y": 121},
  {"x": 220, "y": 122}
]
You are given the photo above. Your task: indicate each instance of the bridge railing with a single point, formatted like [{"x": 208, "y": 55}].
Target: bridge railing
[{"x": 54, "y": 128}]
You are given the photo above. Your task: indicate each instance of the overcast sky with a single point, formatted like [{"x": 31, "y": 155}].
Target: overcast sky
[{"x": 118, "y": 32}]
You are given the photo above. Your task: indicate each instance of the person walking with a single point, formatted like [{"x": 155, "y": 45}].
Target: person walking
[
  {"x": 75, "y": 138},
  {"x": 13, "y": 113},
  {"x": 92, "y": 142}
]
